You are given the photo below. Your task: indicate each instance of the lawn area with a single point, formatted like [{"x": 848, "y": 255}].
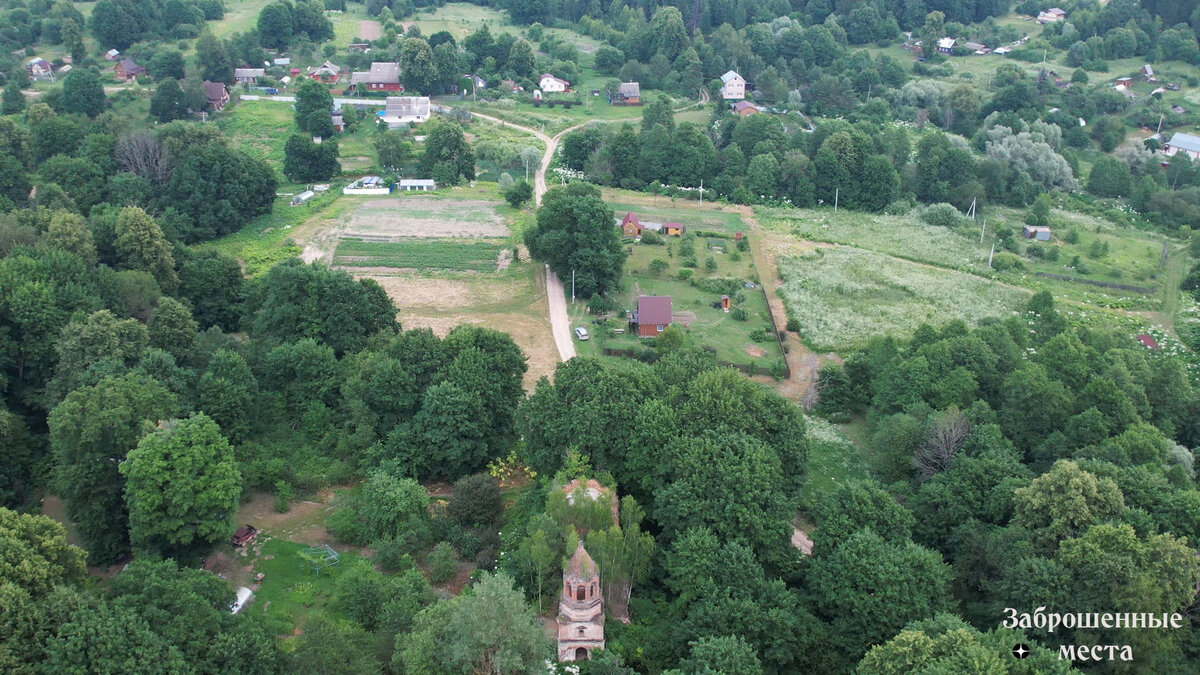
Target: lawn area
[
  {"x": 733, "y": 340},
  {"x": 259, "y": 129},
  {"x": 419, "y": 254},
  {"x": 842, "y": 296},
  {"x": 696, "y": 220},
  {"x": 289, "y": 589}
]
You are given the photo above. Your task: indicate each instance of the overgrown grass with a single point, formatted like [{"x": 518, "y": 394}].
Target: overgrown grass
[
  {"x": 833, "y": 459},
  {"x": 265, "y": 241},
  {"x": 447, "y": 254},
  {"x": 842, "y": 296},
  {"x": 1131, "y": 259},
  {"x": 696, "y": 220}
]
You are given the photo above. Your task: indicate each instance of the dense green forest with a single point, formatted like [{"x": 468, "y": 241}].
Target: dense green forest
[{"x": 169, "y": 364}]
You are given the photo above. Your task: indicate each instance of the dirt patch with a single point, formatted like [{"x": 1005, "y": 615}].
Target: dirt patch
[
  {"x": 304, "y": 523},
  {"x": 371, "y": 30},
  {"x": 393, "y": 219},
  {"x": 516, "y": 306},
  {"x": 755, "y": 351},
  {"x": 801, "y": 541}
]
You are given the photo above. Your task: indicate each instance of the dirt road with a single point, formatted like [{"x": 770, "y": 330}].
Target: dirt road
[{"x": 560, "y": 323}]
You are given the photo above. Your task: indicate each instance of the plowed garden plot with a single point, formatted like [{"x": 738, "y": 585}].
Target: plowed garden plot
[
  {"x": 393, "y": 219},
  {"x": 419, "y": 254}
]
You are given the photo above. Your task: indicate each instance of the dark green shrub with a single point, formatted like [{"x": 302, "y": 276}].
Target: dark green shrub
[
  {"x": 476, "y": 500},
  {"x": 442, "y": 563}
]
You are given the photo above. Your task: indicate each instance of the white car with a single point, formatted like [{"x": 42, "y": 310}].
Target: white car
[{"x": 581, "y": 333}]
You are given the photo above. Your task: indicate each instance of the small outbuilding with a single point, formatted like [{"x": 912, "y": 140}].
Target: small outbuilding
[
  {"x": 127, "y": 70},
  {"x": 417, "y": 185},
  {"x": 629, "y": 93},
  {"x": 303, "y": 197},
  {"x": 630, "y": 227},
  {"x": 248, "y": 75},
  {"x": 112, "y": 55},
  {"x": 1038, "y": 232}
]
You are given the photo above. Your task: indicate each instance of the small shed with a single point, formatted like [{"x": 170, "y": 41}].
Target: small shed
[
  {"x": 653, "y": 315},
  {"x": 339, "y": 124},
  {"x": 628, "y": 93},
  {"x": 1038, "y": 232},
  {"x": 112, "y": 54},
  {"x": 417, "y": 185},
  {"x": 675, "y": 229},
  {"x": 303, "y": 197}
]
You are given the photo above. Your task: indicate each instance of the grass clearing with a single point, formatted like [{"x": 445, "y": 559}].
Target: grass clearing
[
  {"x": 696, "y": 220},
  {"x": 843, "y": 296},
  {"x": 419, "y": 254}
]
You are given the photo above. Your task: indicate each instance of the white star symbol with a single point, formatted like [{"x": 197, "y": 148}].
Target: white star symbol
[{"x": 1020, "y": 651}]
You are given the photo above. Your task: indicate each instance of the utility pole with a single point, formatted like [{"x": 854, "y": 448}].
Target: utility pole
[
  {"x": 991, "y": 254},
  {"x": 836, "y": 191},
  {"x": 701, "y": 192},
  {"x": 981, "y": 230},
  {"x": 572, "y": 287},
  {"x": 1160, "y": 121}
]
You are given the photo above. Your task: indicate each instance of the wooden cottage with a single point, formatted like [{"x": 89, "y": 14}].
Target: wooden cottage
[{"x": 653, "y": 315}]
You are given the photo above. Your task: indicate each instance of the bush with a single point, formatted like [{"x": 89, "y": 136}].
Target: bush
[
  {"x": 657, "y": 266},
  {"x": 743, "y": 244},
  {"x": 442, "y": 563},
  {"x": 689, "y": 261},
  {"x": 710, "y": 264},
  {"x": 466, "y": 541},
  {"x": 345, "y": 526},
  {"x": 1072, "y": 236},
  {"x": 1007, "y": 261},
  {"x": 793, "y": 324},
  {"x": 734, "y": 256},
  {"x": 390, "y": 555},
  {"x": 520, "y": 192},
  {"x": 598, "y": 304},
  {"x": 941, "y": 215},
  {"x": 476, "y": 500},
  {"x": 652, "y": 237},
  {"x": 686, "y": 274},
  {"x": 758, "y": 335},
  {"x": 284, "y": 494},
  {"x": 738, "y": 314}
]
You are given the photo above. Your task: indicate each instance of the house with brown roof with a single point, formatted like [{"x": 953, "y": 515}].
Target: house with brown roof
[
  {"x": 217, "y": 93},
  {"x": 127, "y": 69},
  {"x": 382, "y": 76},
  {"x": 326, "y": 72},
  {"x": 745, "y": 108},
  {"x": 630, "y": 227},
  {"x": 652, "y": 316},
  {"x": 628, "y": 93},
  {"x": 39, "y": 69}
]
